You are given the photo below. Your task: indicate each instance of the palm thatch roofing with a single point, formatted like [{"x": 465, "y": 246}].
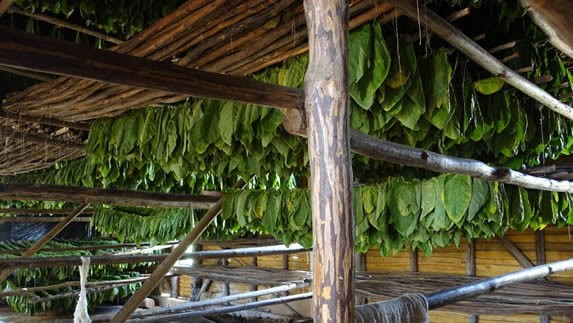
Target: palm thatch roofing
[{"x": 231, "y": 37}]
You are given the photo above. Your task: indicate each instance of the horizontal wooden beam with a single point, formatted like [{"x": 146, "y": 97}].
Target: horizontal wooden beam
[
  {"x": 133, "y": 246},
  {"x": 21, "y": 192},
  {"x": 16, "y": 211},
  {"x": 41, "y": 219},
  {"x": 44, "y": 54},
  {"x": 124, "y": 259},
  {"x": 45, "y": 121}
]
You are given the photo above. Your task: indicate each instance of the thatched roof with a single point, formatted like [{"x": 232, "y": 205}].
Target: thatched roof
[{"x": 231, "y": 37}]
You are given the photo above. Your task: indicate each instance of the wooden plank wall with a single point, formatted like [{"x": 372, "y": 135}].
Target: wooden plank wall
[{"x": 491, "y": 259}]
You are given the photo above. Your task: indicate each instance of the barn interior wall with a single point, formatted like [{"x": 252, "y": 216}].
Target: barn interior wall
[{"x": 492, "y": 259}]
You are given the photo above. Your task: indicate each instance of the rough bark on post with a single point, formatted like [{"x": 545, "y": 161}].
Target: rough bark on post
[{"x": 326, "y": 104}]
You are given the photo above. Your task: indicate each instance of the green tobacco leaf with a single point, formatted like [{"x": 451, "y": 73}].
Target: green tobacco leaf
[
  {"x": 429, "y": 197},
  {"x": 458, "y": 195},
  {"x": 436, "y": 77},
  {"x": 227, "y": 122},
  {"x": 363, "y": 89},
  {"x": 358, "y": 53},
  {"x": 272, "y": 210},
  {"x": 480, "y": 195},
  {"x": 489, "y": 85}
]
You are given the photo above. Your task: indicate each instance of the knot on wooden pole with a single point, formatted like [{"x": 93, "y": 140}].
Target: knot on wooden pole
[{"x": 295, "y": 122}]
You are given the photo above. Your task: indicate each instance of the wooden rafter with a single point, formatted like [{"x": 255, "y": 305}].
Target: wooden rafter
[
  {"x": 103, "y": 196},
  {"x": 5, "y": 273},
  {"x": 44, "y": 54},
  {"x": 65, "y": 24}
]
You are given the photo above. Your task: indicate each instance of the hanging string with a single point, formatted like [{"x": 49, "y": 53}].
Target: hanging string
[{"x": 81, "y": 313}]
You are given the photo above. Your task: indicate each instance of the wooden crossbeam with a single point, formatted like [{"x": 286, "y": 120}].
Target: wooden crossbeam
[
  {"x": 37, "y": 53},
  {"x": 103, "y": 196},
  {"x": 41, "y": 219},
  {"x": 45, "y": 239},
  {"x": 17, "y": 211}
]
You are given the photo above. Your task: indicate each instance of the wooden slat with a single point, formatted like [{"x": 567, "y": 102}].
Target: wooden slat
[
  {"x": 102, "y": 196},
  {"x": 45, "y": 54}
]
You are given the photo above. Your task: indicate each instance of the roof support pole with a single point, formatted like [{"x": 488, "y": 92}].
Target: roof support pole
[
  {"x": 45, "y": 239},
  {"x": 473, "y": 51},
  {"x": 326, "y": 105},
  {"x": 163, "y": 268}
]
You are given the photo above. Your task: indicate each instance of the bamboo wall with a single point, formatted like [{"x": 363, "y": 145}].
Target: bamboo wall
[{"x": 491, "y": 259}]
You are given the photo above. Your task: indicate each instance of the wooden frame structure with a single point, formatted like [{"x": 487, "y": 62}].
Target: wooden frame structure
[{"x": 321, "y": 112}]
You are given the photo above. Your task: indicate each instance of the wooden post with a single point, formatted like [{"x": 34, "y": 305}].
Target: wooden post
[
  {"x": 326, "y": 104},
  {"x": 471, "y": 271},
  {"x": 360, "y": 265},
  {"x": 414, "y": 260},
  {"x": 166, "y": 264},
  {"x": 45, "y": 239},
  {"x": 540, "y": 255}
]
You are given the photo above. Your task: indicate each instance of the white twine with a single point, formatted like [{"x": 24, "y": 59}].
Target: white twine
[{"x": 81, "y": 313}]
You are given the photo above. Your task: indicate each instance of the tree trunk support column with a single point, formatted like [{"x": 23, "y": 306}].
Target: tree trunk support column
[{"x": 326, "y": 104}]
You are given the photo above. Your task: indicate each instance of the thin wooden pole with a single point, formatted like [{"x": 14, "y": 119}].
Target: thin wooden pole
[
  {"x": 471, "y": 271},
  {"x": 326, "y": 105},
  {"x": 66, "y": 24},
  {"x": 45, "y": 239},
  {"x": 209, "y": 302},
  {"x": 473, "y": 51},
  {"x": 131, "y": 305},
  {"x": 16, "y": 211},
  {"x": 102, "y": 196},
  {"x": 41, "y": 219},
  {"x": 540, "y": 255},
  {"x": 123, "y": 259}
]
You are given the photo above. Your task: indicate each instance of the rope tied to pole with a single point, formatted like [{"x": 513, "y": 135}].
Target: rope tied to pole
[
  {"x": 409, "y": 308},
  {"x": 81, "y": 313}
]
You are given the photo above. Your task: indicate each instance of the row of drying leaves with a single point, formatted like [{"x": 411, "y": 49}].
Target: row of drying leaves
[
  {"x": 397, "y": 95},
  {"x": 32, "y": 277}
]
